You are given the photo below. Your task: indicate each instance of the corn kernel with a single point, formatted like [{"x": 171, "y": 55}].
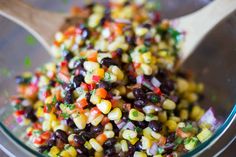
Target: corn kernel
[
  {"x": 125, "y": 58},
  {"x": 158, "y": 155},
  {"x": 46, "y": 126},
  {"x": 124, "y": 146},
  {"x": 181, "y": 125},
  {"x": 204, "y": 135},
  {"x": 172, "y": 125},
  {"x": 146, "y": 142},
  {"x": 162, "y": 116},
  {"x": 121, "y": 89},
  {"x": 109, "y": 77},
  {"x": 147, "y": 132},
  {"x": 174, "y": 118},
  {"x": 182, "y": 85},
  {"x": 149, "y": 118},
  {"x": 147, "y": 70},
  {"x": 129, "y": 134},
  {"x": 147, "y": 57},
  {"x": 108, "y": 126},
  {"x": 139, "y": 154},
  {"x": 115, "y": 114},
  {"x": 156, "y": 135},
  {"x": 96, "y": 146},
  {"x": 196, "y": 112},
  {"x": 136, "y": 115},
  {"x": 72, "y": 151},
  {"x": 80, "y": 121},
  {"x": 104, "y": 106},
  {"x": 184, "y": 114},
  {"x": 55, "y": 124},
  {"x": 95, "y": 99},
  {"x": 140, "y": 31},
  {"x": 91, "y": 66},
  {"x": 103, "y": 55},
  {"x": 64, "y": 153},
  {"x": 134, "y": 140},
  {"x": 97, "y": 120},
  {"x": 109, "y": 134},
  {"x": 116, "y": 71},
  {"x": 54, "y": 151},
  {"x": 130, "y": 95},
  {"x": 169, "y": 104},
  {"x": 94, "y": 20},
  {"x": 87, "y": 145},
  {"x": 88, "y": 78},
  {"x": 98, "y": 154}
]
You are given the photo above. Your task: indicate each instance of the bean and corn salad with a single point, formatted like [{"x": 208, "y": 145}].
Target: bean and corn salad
[{"x": 112, "y": 88}]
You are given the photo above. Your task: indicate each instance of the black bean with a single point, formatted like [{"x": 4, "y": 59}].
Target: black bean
[
  {"x": 139, "y": 93},
  {"x": 110, "y": 142},
  {"x": 131, "y": 40},
  {"x": 138, "y": 146},
  {"x": 52, "y": 83},
  {"x": 86, "y": 135},
  {"x": 79, "y": 64},
  {"x": 67, "y": 55},
  {"x": 107, "y": 62},
  {"x": 141, "y": 124},
  {"x": 70, "y": 123},
  {"x": 62, "y": 135},
  {"x": 119, "y": 52},
  {"x": 29, "y": 113},
  {"x": 44, "y": 148},
  {"x": 167, "y": 86},
  {"x": 77, "y": 80},
  {"x": 162, "y": 74},
  {"x": 79, "y": 140},
  {"x": 69, "y": 98},
  {"x": 57, "y": 105},
  {"x": 147, "y": 25},
  {"x": 110, "y": 151},
  {"x": 52, "y": 142},
  {"x": 115, "y": 128},
  {"x": 170, "y": 138},
  {"x": 139, "y": 103},
  {"x": 131, "y": 79},
  {"x": 85, "y": 33},
  {"x": 96, "y": 129},
  {"x": 131, "y": 150},
  {"x": 154, "y": 98},
  {"x": 155, "y": 125},
  {"x": 81, "y": 150},
  {"x": 104, "y": 84}
]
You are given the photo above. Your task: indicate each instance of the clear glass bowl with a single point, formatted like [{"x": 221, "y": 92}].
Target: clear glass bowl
[{"x": 213, "y": 63}]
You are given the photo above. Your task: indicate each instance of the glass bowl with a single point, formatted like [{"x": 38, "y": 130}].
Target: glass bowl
[{"x": 213, "y": 63}]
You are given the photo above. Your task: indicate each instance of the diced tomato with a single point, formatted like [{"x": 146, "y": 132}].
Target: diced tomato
[
  {"x": 19, "y": 112},
  {"x": 70, "y": 31},
  {"x": 105, "y": 120},
  {"x": 82, "y": 103},
  {"x": 46, "y": 135},
  {"x": 29, "y": 133},
  {"x": 137, "y": 65},
  {"x": 39, "y": 141},
  {"x": 94, "y": 112},
  {"x": 56, "y": 43},
  {"x": 96, "y": 78},
  {"x": 182, "y": 134},
  {"x": 114, "y": 103},
  {"x": 101, "y": 139},
  {"x": 157, "y": 91},
  {"x": 63, "y": 77},
  {"x": 162, "y": 141},
  {"x": 92, "y": 57},
  {"x": 91, "y": 86},
  {"x": 117, "y": 28},
  {"x": 84, "y": 86},
  {"x": 101, "y": 92},
  {"x": 37, "y": 126}
]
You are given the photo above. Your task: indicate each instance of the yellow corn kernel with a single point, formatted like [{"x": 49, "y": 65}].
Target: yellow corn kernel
[
  {"x": 116, "y": 71},
  {"x": 43, "y": 81},
  {"x": 136, "y": 115},
  {"x": 96, "y": 146},
  {"x": 108, "y": 126},
  {"x": 139, "y": 154},
  {"x": 39, "y": 112},
  {"x": 95, "y": 99},
  {"x": 204, "y": 135},
  {"x": 88, "y": 78},
  {"x": 55, "y": 51},
  {"x": 91, "y": 66},
  {"x": 182, "y": 85},
  {"x": 146, "y": 142},
  {"x": 124, "y": 146},
  {"x": 62, "y": 127},
  {"x": 80, "y": 121},
  {"x": 94, "y": 20},
  {"x": 140, "y": 31},
  {"x": 103, "y": 55},
  {"x": 97, "y": 120},
  {"x": 121, "y": 89},
  {"x": 64, "y": 153},
  {"x": 181, "y": 124},
  {"x": 158, "y": 155},
  {"x": 129, "y": 134},
  {"x": 184, "y": 114},
  {"x": 99, "y": 72},
  {"x": 130, "y": 95},
  {"x": 156, "y": 135},
  {"x": 54, "y": 151},
  {"x": 109, "y": 77},
  {"x": 174, "y": 118},
  {"x": 115, "y": 114},
  {"x": 109, "y": 134},
  {"x": 147, "y": 57},
  {"x": 98, "y": 154},
  {"x": 169, "y": 104},
  {"x": 147, "y": 132},
  {"x": 55, "y": 124},
  {"x": 59, "y": 37},
  {"x": 87, "y": 145},
  {"x": 71, "y": 138},
  {"x": 162, "y": 116},
  {"x": 104, "y": 106},
  {"x": 125, "y": 58},
  {"x": 149, "y": 118},
  {"x": 46, "y": 126},
  {"x": 147, "y": 70},
  {"x": 72, "y": 151},
  {"x": 134, "y": 140},
  {"x": 191, "y": 97},
  {"x": 196, "y": 112},
  {"x": 172, "y": 125}
]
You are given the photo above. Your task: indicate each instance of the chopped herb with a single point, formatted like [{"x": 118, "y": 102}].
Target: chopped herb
[
  {"x": 178, "y": 140},
  {"x": 138, "y": 129},
  {"x": 27, "y": 62},
  {"x": 67, "y": 146},
  {"x": 65, "y": 115},
  {"x": 30, "y": 40},
  {"x": 49, "y": 107},
  {"x": 46, "y": 153},
  {"x": 150, "y": 115},
  {"x": 143, "y": 49},
  {"x": 135, "y": 113},
  {"x": 188, "y": 128},
  {"x": 108, "y": 76},
  {"x": 92, "y": 92},
  {"x": 18, "y": 107},
  {"x": 70, "y": 106},
  {"x": 54, "y": 100},
  {"x": 160, "y": 150}
]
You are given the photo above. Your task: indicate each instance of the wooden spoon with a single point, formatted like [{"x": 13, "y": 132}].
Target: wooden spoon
[{"x": 43, "y": 25}]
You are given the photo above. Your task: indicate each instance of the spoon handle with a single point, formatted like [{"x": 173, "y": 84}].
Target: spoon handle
[
  {"x": 41, "y": 24},
  {"x": 198, "y": 24}
]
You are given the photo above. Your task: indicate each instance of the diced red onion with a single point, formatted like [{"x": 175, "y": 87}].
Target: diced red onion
[
  {"x": 153, "y": 149},
  {"x": 209, "y": 118},
  {"x": 155, "y": 82},
  {"x": 121, "y": 124},
  {"x": 140, "y": 79},
  {"x": 129, "y": 126},
  {"x": 151, "y": 109}
]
